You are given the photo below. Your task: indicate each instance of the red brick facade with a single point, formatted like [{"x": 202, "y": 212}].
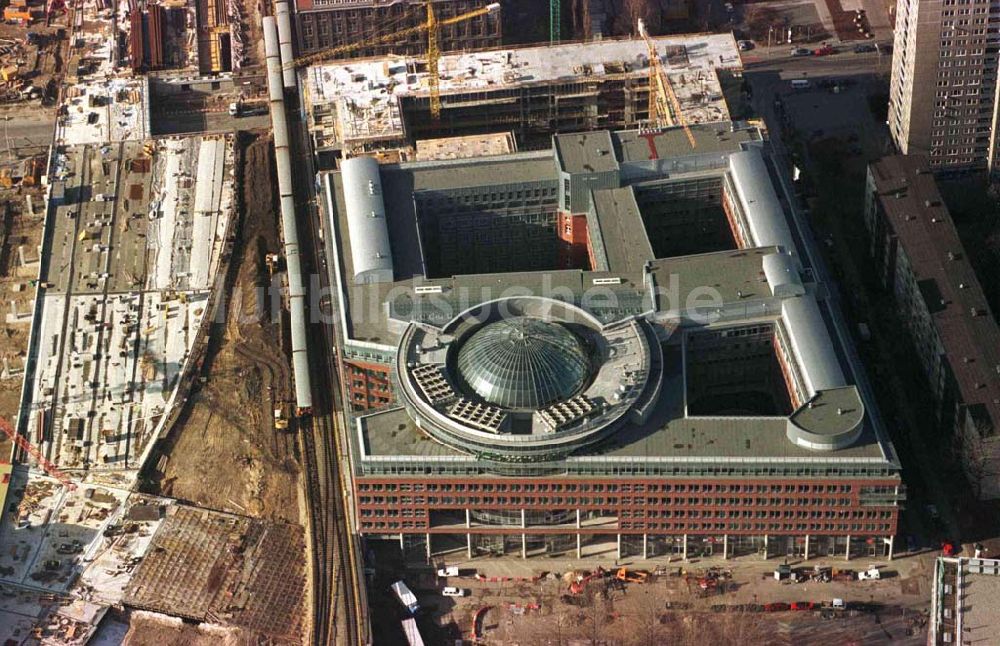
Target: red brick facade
[
  {"x": 367, "y": 384},
  {"x": 661, "y": 506},
  {"x": 574, "y": 241}
]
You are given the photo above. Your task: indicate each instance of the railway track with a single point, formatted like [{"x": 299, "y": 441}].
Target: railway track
[
  {"x": 335, "y": 590},
  {"x": 339, "y": 604}
]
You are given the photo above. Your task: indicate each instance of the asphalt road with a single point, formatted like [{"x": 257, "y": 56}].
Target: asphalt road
[
  {"x": 195, "y": 121},
  {"x": 27, "y": 128},
  {"x": 843, "y": 62}
]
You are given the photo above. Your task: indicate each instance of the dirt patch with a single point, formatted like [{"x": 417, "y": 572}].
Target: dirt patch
[
  {"x": 18, "y": 271},
  {"x": 225, "y": 452},
  {"x": 150, "y": 629}
]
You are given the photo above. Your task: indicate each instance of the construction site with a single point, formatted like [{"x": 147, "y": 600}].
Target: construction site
[
  {"x": 386, "y": 105},
  {"x": 133, "y": 244},
  {"x": 706, "y": 601},
  {"x": 233, "y": 448},
  {"x": 209, "y": 36},
  {"x": 94, "y": 548},
  {"x": 142, "y": 234},
  {"x": 99, "y": 106}
]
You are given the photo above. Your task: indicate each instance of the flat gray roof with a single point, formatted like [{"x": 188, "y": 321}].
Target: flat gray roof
[
  {"x": 621, "y": 230},
  {"x": 667, "y": 434},
  {"x": 832, "y": 411},
  {"x": 586, "y": 152},
  {"x": 635, "y": 145},
  {"x": 735, "y": 275}
]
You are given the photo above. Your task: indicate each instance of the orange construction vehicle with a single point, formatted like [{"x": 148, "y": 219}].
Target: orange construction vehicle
[
  {"x": 18, "y": 15},
  {"x": 635, "y": 576},
  {"x": 576, "y": 587}
]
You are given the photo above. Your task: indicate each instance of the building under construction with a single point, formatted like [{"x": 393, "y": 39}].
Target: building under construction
[
  {"x": 385, "y": 104},
  {"x": 146, "y": 40},
  {"x": 215, "y": 38},
  {"x": 323, "y": 24}
]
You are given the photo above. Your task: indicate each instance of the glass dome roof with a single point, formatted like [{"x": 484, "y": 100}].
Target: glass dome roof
[{"x": 523, "y": 362}]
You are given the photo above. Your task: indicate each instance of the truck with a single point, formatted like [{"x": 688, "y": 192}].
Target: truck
[
  {"x": 412, "y": 633},
  {"x": 406, "y": 597},
  {"x": 871, "y": 574},
  {"x": 448, "y": 571},
  {"x": 244, "y": 109}
]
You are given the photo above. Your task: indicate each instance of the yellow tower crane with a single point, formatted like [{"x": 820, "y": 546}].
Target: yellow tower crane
[
  {"x": 433, "y": 56},
  {"x": 662, "y": 98},
  {"x": 431, "y": 26}
]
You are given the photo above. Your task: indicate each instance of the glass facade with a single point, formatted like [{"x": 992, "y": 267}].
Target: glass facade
[{"x": 523, "y": 363}]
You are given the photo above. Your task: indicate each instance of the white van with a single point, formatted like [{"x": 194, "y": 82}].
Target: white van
[
  {"x": 872, "y": 574},
  {"x": 800, "y": 84},
  {"x": 453, "y": 592}
]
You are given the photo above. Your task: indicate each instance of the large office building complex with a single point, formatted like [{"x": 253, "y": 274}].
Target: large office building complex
[
  {"x": 323, "y": 24},
  {"x": 620, "y": 339},
  {"x": 920, "y": 260},
  {"x": 943, "y": 96}
]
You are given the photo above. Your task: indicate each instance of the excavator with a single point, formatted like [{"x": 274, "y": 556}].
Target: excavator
[{"x": 577, "y": 587}]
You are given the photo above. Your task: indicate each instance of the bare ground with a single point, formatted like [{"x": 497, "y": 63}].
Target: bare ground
[
  {"x": 151, "y": 629},
  {"x": 16, "y": 229},
  {"x": 225, "y": 452}
]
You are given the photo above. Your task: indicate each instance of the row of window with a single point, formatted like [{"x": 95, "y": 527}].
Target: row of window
[
  {"x": 876, "y": 528},
  {"x": 762, "y": 527},
  {"x": 626, "y": 514},
  {"x": 616, "y": 487},
  {"x": 572, "y": 501}
]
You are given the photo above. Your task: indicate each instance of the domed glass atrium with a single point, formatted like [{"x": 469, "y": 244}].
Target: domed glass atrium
[{"x": 523, "y": 363}]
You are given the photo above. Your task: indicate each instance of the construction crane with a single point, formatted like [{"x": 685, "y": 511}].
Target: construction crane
[
  {"x": 322, "y": 55},
  {"x": 662, "y": 99},
  {"x": 433, "y": 57},
  {"x": 33, "y": 451}
]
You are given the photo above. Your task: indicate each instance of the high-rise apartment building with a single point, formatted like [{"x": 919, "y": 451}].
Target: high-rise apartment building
[{"x": 943, "y": 100}]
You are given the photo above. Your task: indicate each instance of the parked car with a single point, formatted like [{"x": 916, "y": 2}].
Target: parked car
[
  {"x": 452, "y": 591},
  {"x": 864, "y": 48},
  {"x": 745, "y": 45},
  {"x": 825, "y": 50},
  {"x": 801, "y": 51}
]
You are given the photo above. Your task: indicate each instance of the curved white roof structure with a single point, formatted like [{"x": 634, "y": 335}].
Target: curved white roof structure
[
  {"x": 810, "y": 340},
  {"x": 371, "y": 257},
  {"x": 764, "y": 214}
]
